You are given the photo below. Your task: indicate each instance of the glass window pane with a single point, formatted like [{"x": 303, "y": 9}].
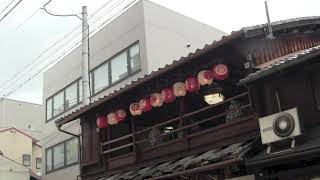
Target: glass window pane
[
  {"x": 26, "y": 159},
  {"x": 38, "y": 163},
  {"x": 49, "y": 160},
  {"x": 71, "y": 95},
  {"x": 119, "y": 67},
  {"x": 49, "y": 108},
  {"x": 58, "y": 156},
  {"x": 72, "y": 151},
  {"x": 101, "y": 79},
  {"x": 135, "y": 58},
  {"x": 58, "y": 104}
]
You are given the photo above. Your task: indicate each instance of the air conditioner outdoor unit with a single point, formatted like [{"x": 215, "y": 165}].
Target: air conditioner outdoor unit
[{"x": 280, "y": 126}]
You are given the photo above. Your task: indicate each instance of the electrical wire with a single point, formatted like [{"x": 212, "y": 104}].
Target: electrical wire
[
  {"x": 57, "y": 59},
  {"x": 34, "y": 63},
  {"x": 54, "y": 14},
  {"x": 10, "y": 10},
  {"x": 6, "y": 7},
  {"x": 62, "y": 47}
]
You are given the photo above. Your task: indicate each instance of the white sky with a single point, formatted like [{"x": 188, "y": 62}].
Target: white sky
[{"x": 21, "y": 45}]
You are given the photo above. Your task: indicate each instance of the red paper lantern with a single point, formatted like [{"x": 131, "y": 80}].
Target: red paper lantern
[
  {"x": 121, "y": 115},
  {"x": 112, "y": 119},
  {"x": 167, "y": 95},
  {"x": 179, "y": 89},
  {"x": 102, "y": 122},
  {"x": 220, "y": 72},
  {"x": 135, "y": 109},
  {"x": 156, "y": 100},
  {"x": 205, "y": 77},
  {"x": 192, "y": 84},
  {"x": 145, "y": 104}
]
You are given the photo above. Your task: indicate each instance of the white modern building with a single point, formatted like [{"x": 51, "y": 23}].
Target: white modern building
[{"x": 142, "y": 39}]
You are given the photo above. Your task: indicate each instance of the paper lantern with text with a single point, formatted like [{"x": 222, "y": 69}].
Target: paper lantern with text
[
  {"x": 192, "y": 84},
  {"x": 156, "y": 100},
  {"x": 135, "y": 109},
  {"x": 205, "y": 77},
  {"x": 220, "y": 72},
  {"x": 145, "y": 104},
  {"x": 179, "y": 89},
  {"x": 167, "y": 95},
  {"x": 121, "y": 115},
  {"x": 112, "y": 118},
  {"x": 102, "y": 122}
]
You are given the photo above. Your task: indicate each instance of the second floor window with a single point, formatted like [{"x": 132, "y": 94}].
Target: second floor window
[
  {"x": 63, "y": 100},
  {"x": 117, "y": 68},
  {"x": 26, "y": 159}
]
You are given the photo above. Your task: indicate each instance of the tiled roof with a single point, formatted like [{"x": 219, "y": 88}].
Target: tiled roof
[
  {"x": 75, "y": 113},
  {"x": 233, "y": 151},
  {"x": 282, "y": 22},
  {"x": 281, "y": 63}
]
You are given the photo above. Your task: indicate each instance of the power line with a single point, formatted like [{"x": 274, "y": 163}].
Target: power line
[
  {"x": 23, "y": 83},
  {"x": 54, "y": 14},
  {"x": 32, "y": 65},
  {"x": 10, "y": 10},
  {"x": 6, "y": 7}
]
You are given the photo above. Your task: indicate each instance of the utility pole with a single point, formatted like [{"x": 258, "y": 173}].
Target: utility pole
[
  {"x": 270, "y": 34},
  {"x": 85, "y": 57}
]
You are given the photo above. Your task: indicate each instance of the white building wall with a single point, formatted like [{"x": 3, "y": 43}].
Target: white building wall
[
  {"x": 10, "y": 170},
  {"x": 169, "y": 33},
  {"x": 21, "y": 114},
  {"x": 162, "y": 35}
]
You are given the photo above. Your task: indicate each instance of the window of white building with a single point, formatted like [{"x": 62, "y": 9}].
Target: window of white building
[{"x": 62, "y": 155}]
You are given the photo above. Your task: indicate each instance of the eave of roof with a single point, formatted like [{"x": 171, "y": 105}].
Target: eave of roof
[
  {"x": 281, "y": 64},
  {"x": 176, "y": 63},
  {"x": 244, "y": 32},
  {"x": 34, "y": 140}
]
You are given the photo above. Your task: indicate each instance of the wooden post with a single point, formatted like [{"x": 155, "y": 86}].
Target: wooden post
[{"x": 134, "y": 149}]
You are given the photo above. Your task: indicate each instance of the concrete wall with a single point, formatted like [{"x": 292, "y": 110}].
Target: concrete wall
[
  {"x": 36, "y": 153},
  {"x": 14, "y": 145},
  {"x": 20, "y": 114},
  {"x": 69, "y": 173},
  {"x": 168, "y": 35},
  {"x": 10, "y": 170}
]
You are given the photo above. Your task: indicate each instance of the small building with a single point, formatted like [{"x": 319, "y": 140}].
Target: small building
[
  {"x": 194, "y": 118},
  {"x": 21, "y": 156}
]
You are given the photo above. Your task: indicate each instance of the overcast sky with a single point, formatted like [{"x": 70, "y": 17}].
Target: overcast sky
[{"x": 27, "y": 32}]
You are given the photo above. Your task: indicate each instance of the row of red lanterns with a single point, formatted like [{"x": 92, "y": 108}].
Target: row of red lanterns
[{"x": 168, "y": 95}]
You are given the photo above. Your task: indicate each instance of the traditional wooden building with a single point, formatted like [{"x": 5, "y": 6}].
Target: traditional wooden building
[{"x": 197, "y": 118}]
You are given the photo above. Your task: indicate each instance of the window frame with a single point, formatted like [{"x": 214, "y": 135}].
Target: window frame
[
  {"x": 23, "y": 159},
  {"x": 92, "y": 84},
  {"x": 77, "y": 81},
  {"x": 108, "y": 61},
  {"x": 38, "y": 165},
  {"x": 65, "y": 156},
  {"x": 65, "y": 165}
]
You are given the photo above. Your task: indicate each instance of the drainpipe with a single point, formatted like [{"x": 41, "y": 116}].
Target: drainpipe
[{"x": 61, "y": 130}]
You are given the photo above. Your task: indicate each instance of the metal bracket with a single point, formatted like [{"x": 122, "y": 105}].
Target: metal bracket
[
  {"x": 268, "y": 149},
  {"x": 293, "y": 143}
]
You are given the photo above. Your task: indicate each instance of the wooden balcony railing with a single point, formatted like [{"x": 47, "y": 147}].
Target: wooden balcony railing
[{"x": 184, "y": 126}]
